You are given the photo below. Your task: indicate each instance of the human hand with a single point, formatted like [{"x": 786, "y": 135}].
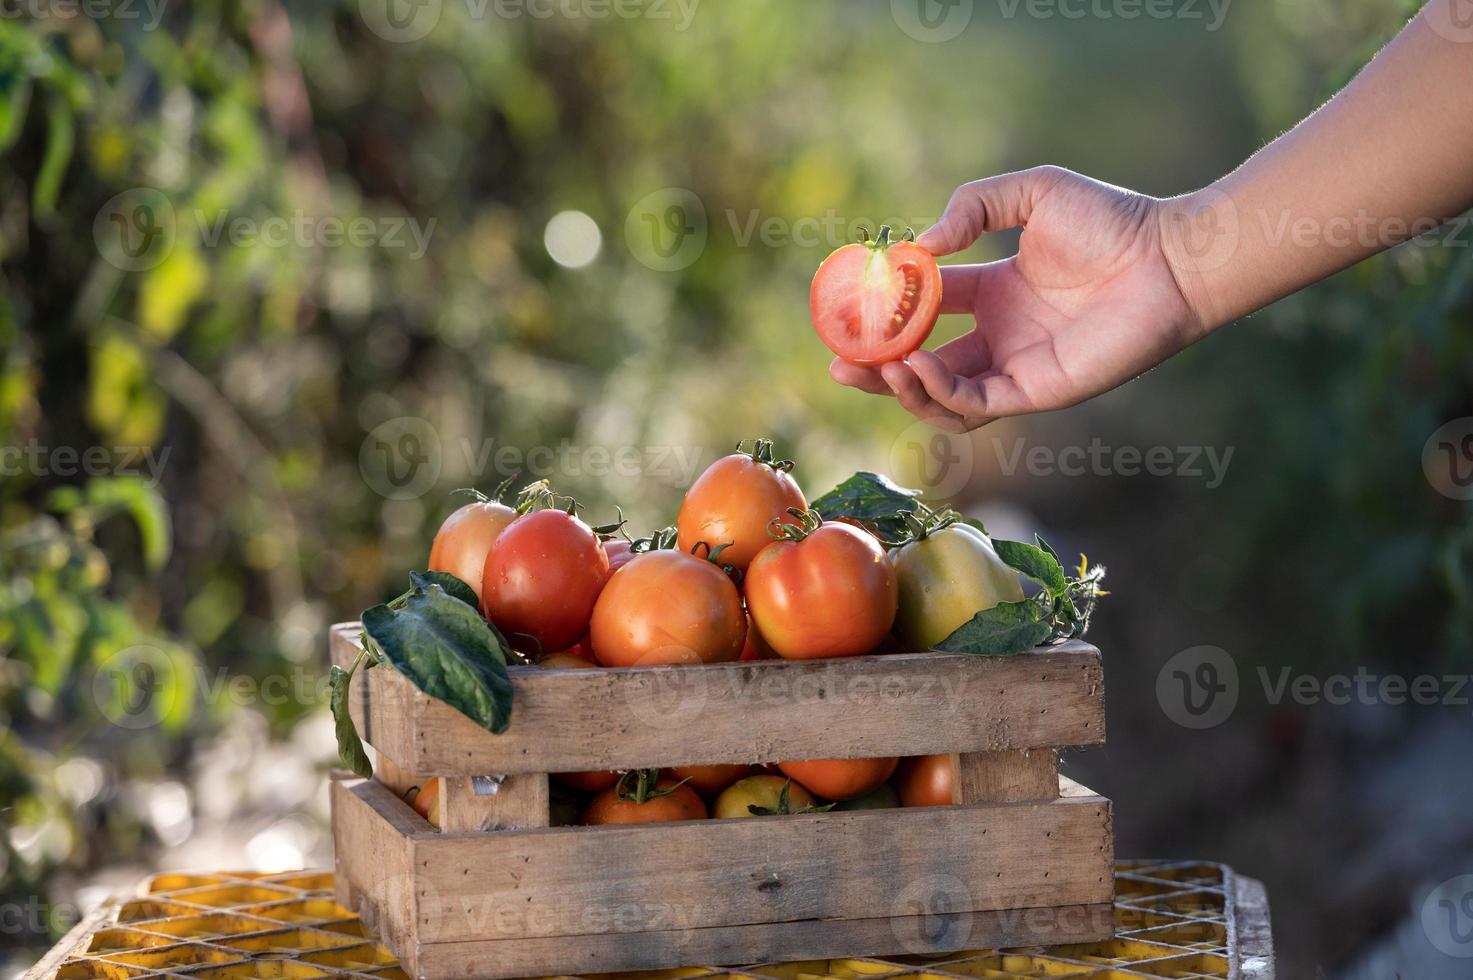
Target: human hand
[{"x": 1089, "y": 302}]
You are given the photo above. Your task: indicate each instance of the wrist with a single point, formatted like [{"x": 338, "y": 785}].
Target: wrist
[{"x": 1200, "y": 235}]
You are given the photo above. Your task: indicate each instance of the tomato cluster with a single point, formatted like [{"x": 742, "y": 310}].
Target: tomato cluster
[{"x": 747, "y": 572}]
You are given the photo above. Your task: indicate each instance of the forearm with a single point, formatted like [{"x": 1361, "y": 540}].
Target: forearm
[{"x": 1388, "y": 158}]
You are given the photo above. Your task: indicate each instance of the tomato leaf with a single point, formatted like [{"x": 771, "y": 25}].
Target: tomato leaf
[
  {"x": 1005, "y": 629},
  {"x": 350, "y": 746},
  {"x": 870, "y": 499},
  {"x": 453, "y": 586},
  {"x": 1036, "y": 563},
  {"x": 446, "y": 650}
]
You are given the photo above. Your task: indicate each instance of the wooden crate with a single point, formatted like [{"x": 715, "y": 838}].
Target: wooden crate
[{"x": 1024, "y": 857}]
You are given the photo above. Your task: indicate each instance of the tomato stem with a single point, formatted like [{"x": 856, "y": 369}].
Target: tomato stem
[
  {"x": 761, "y": 452},
  {"x": 808, "y": 522}
]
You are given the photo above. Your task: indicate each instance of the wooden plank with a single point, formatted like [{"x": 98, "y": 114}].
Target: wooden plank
[
  {"x": 939, "y": 932},
  {"x": 717, "y": 873},
  {"x": 372, "y": 831},
  {"x": 1004, "y": 777},
  {"x": 521, "y": 802},
  {"x": 767, "y": 711}
]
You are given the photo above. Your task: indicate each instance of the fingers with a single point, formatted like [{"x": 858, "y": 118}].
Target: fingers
[
  {"x": 959, "y": 288},
  {"x": 988, "y": 396},
  {"x": 864, "y": 378},
  {"x": 991, "y": 204},
  {"x": 913, "y": 398}
]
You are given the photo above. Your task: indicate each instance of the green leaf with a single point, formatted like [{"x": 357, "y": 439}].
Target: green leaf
[
  {"x": 446, "y": 650},
  {"x": 1005, "y": 629},
  {"x": 1038, "y": 540},
  {"x": 350, "y": 746},
  {"x": 870, "y": 498},
  {"x": 13, "y": 106},
  {"x": 1039, "y": 565},
  {"x": 453, "y": 586},
  {"x": 123, "y": 494}
]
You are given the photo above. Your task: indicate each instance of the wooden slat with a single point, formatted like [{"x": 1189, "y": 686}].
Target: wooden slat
[
  {"x": 769, "y": 711},
  {"x": 372, "y": 832},
  {"x": 521, "y": 802},
  {"x": 768, "y": 943},
  {"x": 1004, "y": 777},
  {"x": 715, "y": 873}
]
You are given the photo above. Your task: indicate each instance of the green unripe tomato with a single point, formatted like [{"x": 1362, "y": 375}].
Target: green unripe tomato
[{"x": 945, "y": 579}]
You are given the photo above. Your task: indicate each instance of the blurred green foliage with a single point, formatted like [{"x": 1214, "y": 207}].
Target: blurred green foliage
[{"x": 255, "y": 371}]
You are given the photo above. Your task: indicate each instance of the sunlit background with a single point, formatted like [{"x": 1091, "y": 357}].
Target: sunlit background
[{"x": 278, "y": 278}]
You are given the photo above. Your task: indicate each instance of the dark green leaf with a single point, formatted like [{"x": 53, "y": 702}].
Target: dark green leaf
[
  {"x": 446, "y": 650},
  {"x": 350, "y": 746},
  {"x": 871, "y": 499},
  {"x": 1038, "y": 540},
  {"x": 1005, "y": 629},
  {"x": 453, "y": 586},
  {"x": 1039, "y": 565}
]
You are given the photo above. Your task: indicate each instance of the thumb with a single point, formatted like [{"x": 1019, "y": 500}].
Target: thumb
[{"x": 992, "y": 204}]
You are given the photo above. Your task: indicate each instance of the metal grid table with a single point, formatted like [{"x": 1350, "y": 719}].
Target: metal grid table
[{"x": 1181, "y": 919}]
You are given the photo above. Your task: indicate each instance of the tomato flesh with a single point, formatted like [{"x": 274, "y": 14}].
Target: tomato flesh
[{"x": 875, "y": 302}]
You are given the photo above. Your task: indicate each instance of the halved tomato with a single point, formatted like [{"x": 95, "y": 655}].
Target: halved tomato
[{"x": 876, "y": 301}]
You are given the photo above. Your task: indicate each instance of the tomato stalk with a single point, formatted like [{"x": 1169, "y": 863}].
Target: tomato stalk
[
  {"x": 760, "y": 451},
  {"x": 808, "y": 522},
  {"x": 784, "y": 807},
  {"x": 642, "y": 785}
]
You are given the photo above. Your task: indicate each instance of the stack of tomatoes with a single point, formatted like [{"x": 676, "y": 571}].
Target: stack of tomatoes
[{"x": 748, "y": 572}]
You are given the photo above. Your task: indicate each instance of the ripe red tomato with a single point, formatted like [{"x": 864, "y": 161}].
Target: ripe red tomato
[
  {"x": 708, "y": 780},
  {"x": 831, "y": 594},
  {"x": 619, "y": 553},
  {"x": 875, "y": 301},
  {"x": 924, "y": 780},
  {"x": 666, "y": 607},
  {"x": 543, "y": 577},
  {"x": 589, "y": 781},
  {"x": 466, "y": 537},
  {"x": 734, "y": 500},
  {"x": 619, "y": 805},
  {"x": 840, "y": 779}
]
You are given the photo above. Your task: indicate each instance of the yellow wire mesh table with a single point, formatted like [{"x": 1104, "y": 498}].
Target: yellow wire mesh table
[{"x": 1181, "y": 919}]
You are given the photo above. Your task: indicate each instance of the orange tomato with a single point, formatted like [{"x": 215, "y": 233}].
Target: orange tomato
[
  {"x": 465, "y": 539},
  {"x": 708, "y": 780},
  {"x": 734, "y": 500},
  {"x": 675, "y": 803},
  {"x": 588, "y": 781},
  {"x": 924, "y": 780},
  {"x": 831, "y": 594},
  {"x": 840, "y": 779},
  {"x": 666, "y": 607}
]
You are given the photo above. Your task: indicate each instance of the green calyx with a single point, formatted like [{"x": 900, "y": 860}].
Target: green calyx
[
  {"x": 662, "y": 540},
  {"x": 642, "y": 785},
  {"x": 784, "y": 807},
  {"x": 881, "y": 241},
  {"x": 760, "y": 451},
  {"x": 808, "y": 521}
]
